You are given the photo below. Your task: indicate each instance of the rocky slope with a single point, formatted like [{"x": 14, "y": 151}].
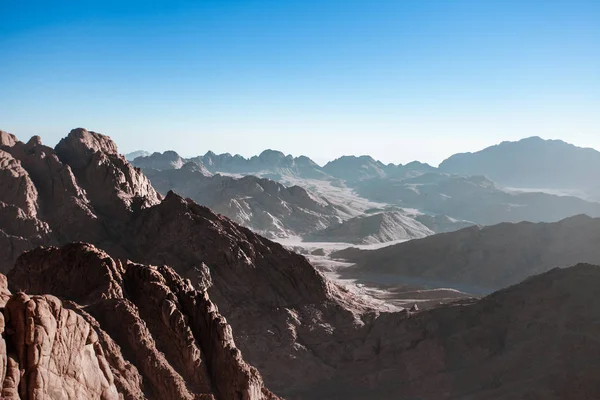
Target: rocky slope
[
  {"x": 371, "y": 229},
  {"x": 530, "y": 163},
  {"x": 92, "y": 327},
  {"x": 487, "y": 258},
  {"x": 308, "y": 337},
  {"x": 262, "y": 205}
]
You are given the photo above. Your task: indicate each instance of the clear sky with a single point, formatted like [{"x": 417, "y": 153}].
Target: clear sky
[{"x": 397, "y": 79}]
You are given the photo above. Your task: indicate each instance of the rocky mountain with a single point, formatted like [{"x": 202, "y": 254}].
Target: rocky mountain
[
  {"x": 352, "y": 168},
  {"x": 275, "y": 165},
  {"x": 485, "y": 258},
  {"x": 91, "y": 327},
  {"x": 160, "y": 161},
  {"x": 270, "y": 164},
  {"x": 410, "y": 170},
  {"x": 530, "y": 163},
  {"x": 306, "y": 336},
  {"x": 474, "y": 198},
  {"x": 135, "y": 154},
  {"x": 262, "y": 205},
  {"x": 371, "y": 229}
]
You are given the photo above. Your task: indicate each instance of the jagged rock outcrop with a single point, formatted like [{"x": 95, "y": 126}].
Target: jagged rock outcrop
[
  {"x": 184, "y": 351},
  {"x": 84, "y": 191},
  {"x": 112, "y": 184}
]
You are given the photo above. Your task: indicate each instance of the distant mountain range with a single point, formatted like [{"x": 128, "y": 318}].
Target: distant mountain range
[
  {"x": 275, "y": 165},
  {"x": 265, "y": 206},
  {"x": 485, "y": 258},
  {"x": 476, "y": 188},
  {"x": 531, "y": 163},
  {"x": 473, "y": 198}
]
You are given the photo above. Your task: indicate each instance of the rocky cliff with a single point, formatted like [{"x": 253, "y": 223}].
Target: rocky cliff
[{"x": 110, "y": 329}]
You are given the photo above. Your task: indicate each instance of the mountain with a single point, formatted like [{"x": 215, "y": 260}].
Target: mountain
[
  {"x": 270, "y": 164},
  {"x": 101, "y": 337},
  {"x": 160, "y": 161},
  {"x": 485, "y": 258},
  {"x": 352, "y": 168},
  {"x": 410, "y": 170},
  {"x": 530, "y": 163},
  {"x": 441, "y": 223},
  {"x": 135, "y": 154},
  {"x": 473, "y": 198},
  {"x": 262, "y": 205},
  {"x": 371, "y": 229},
  {"x": 306, "y": 336}
]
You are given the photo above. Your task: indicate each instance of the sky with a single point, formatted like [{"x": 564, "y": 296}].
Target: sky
[{"x": 400, "y": 80}]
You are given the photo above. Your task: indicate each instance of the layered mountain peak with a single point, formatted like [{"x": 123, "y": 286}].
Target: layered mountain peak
[
  {"x": 353, "y": 168},
  {"x": 78, "y": 148},
  {"x": 107, "y": 177},
  {"x": 272, "y": 156}
]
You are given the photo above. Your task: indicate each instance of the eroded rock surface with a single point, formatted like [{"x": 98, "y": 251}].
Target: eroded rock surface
[{"x": 121, "y": 329}]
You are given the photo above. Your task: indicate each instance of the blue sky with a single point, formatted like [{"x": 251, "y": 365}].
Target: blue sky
[{"x": 397, "y": 79}]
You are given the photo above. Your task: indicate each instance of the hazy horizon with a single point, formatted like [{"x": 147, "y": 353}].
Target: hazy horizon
[{"x": 399, "y": 81}]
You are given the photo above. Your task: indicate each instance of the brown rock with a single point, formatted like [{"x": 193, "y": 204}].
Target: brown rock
[
  {"x": 55, "y": 347},
  {"x": 183, "y": 351}
]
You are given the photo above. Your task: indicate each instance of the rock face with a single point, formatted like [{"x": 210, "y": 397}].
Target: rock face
[
  {"x": 372, "y": 229},
  {"x": 484, "y": 259},
  {"x": 105, "y": 339},
  {"x": 83, "y": 190},
  {"x": 530, "y": 163},
  {"x": 262, "y": 205}
]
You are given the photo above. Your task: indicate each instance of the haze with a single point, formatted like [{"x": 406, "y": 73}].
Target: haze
[{"x": 399, "y": 80}]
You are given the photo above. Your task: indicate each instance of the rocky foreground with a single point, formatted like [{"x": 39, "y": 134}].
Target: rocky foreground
[
  {"x": 233, "y": 306},
  {"x": 118, "y": 331}
]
